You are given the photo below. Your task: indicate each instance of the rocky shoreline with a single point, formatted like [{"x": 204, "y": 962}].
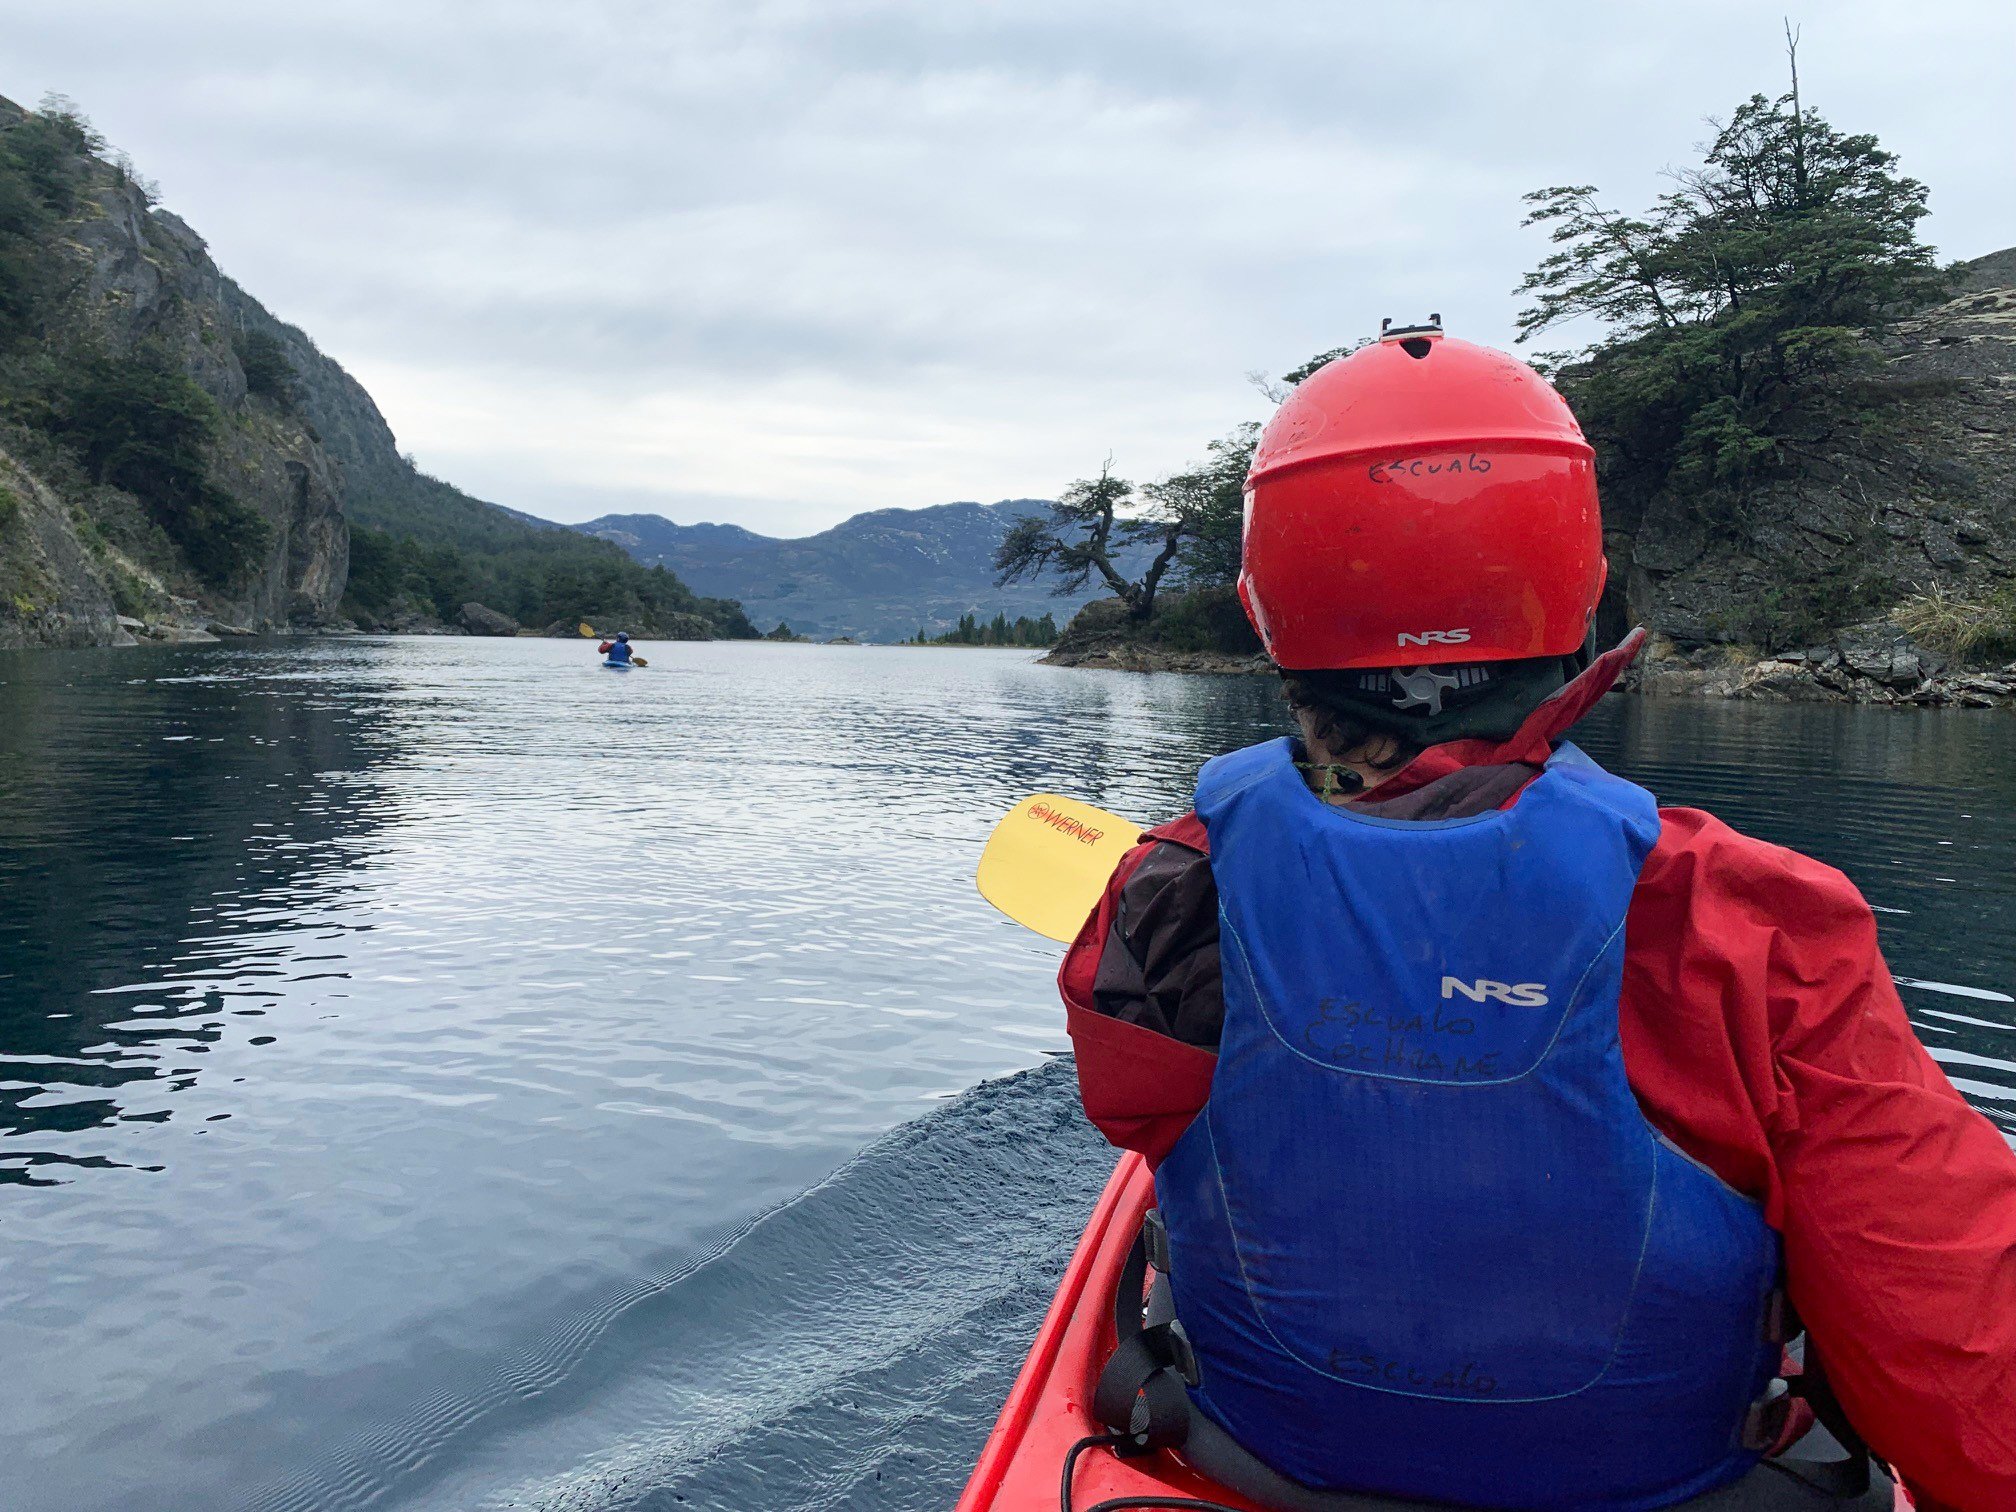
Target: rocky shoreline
[
  {"x": 1125, "y": 658},
  {"x": 1875, "y": 663}
]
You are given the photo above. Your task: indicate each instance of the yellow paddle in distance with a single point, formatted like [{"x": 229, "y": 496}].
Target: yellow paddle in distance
[{"x": 1049, "y": 860}]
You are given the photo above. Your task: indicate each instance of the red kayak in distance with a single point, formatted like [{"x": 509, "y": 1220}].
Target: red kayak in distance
[{"x": 1049, "y": 1409}]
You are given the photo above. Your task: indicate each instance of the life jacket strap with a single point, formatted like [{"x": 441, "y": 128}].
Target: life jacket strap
[
  {"x": 1764, "y": 1427},
  {"x": 1143, "y": 1393}
]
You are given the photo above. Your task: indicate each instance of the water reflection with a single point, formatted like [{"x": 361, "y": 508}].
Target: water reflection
[{"x": 146, "y": 801}]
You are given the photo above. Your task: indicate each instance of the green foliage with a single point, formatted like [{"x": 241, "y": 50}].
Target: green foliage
[
  {"x": 1976, "y": 627},
  {"x": 999, "y": 631},
  {"x": 132, "y": 595},
  {"x": 1193, "y": 520},
  {"x": 269, "y": 373},
  {"x": 1208, "y": 618},
  {"x": 535, "y": 572},
  {"x": 10, "y": 506},
  {"x": 44, "y": 161},
  {"x": 392, "y": 574},
  {"x": 1296, "y": 375},
  {"x": 1210, "y": 499},
  {"x": 783, "y": 632},
  {"x": 1734, "y": 312},
  {"x": 1800, "y": 611},
  {"x": 148, "y": 430},
  {"x": 1198, "y": 619}
]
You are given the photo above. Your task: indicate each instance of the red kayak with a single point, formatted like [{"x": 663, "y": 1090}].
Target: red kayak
[{"x": 1049, "y": 1408}]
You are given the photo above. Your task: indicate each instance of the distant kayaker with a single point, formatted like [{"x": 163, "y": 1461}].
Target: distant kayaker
[
  {"x": 1496, "y": 1111},
  {"x": 618, "y": 650}
]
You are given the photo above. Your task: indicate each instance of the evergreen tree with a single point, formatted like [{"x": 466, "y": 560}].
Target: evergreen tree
[{"x": 1736, "y": 308}]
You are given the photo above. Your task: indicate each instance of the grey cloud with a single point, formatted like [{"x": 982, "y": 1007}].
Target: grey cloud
[{"x": 1054, "y": 217}]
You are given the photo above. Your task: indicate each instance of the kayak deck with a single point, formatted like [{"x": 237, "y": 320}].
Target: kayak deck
[{"x": 1049, "y": 1408}]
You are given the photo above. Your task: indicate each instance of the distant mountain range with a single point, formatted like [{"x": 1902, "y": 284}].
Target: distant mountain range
[{"x": 879, "y": 576}]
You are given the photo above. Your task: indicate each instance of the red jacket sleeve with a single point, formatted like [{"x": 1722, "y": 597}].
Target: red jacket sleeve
[
  {"x": 1762, "y": 1032},
  {"x": 1140, "y": 1088}
]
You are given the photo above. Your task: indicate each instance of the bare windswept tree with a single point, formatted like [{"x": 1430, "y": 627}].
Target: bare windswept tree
[
  {"x": 1086, "y": 532},
  {"x": 1190, "y": 521}
]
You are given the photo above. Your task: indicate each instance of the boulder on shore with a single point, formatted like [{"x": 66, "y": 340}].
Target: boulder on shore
[{"x": 480, "y": 619}]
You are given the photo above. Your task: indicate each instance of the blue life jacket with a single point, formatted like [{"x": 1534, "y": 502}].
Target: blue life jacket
[
  {"x": 1422, "y": 1240},
  {"x": 619, "y": 652}
]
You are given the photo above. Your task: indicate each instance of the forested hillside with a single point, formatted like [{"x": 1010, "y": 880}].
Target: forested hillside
[{"x": 175, "y": 462}]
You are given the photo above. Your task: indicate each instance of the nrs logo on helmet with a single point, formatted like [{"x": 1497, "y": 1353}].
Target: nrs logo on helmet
[{"x": 1433, "y": 637}]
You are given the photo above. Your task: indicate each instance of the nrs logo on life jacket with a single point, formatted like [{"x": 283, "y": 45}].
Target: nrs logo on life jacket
[{"x": 1518, "y": 994}]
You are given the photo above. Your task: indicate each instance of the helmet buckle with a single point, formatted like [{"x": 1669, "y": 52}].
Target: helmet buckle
[{"x": 1421, "y": 688}]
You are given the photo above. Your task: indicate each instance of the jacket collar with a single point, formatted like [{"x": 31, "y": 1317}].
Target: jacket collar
[{"x": 1534, "y": 741}]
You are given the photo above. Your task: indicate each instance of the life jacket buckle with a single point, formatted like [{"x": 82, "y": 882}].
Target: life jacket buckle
[
  {"x": 1781, "y": 1323},
  {"x": 1182, "y": 1357},
  {"x": 1765, "y": 1422},
  {"x": 1155, "y": 1239}
]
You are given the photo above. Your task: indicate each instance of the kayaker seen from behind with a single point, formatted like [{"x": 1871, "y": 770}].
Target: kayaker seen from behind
[
  {"x": 617, "y": 653},
  {"x": 1506, "y": 1125}
]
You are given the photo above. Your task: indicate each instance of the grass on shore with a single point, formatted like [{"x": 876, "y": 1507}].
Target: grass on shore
[{"x": 1977, "y": 628}]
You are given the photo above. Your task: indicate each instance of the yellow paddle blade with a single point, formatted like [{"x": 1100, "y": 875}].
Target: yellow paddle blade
[
  {"x": 1047, "y": 863},
  {"x": 587, "y": 630}
]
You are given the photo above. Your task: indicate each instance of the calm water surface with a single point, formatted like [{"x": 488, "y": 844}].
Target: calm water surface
[{"x": 440, "y": 1073}]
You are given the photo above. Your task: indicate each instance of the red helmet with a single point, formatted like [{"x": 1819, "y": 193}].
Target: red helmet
[{"x": 1424, "y": 500}]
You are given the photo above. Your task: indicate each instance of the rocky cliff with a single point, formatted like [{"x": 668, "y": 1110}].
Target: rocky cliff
[
  {"x": 121, "y": 287},
  {"x": 1921, "y": 500}
]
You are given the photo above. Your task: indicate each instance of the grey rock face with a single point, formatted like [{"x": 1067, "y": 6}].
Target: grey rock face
[
  {"x": 141, "y": 278},
  {"x": 1927, "y": 500},
  {"x": 53, "y": 591},
  {"x": 151, "y": 279}
]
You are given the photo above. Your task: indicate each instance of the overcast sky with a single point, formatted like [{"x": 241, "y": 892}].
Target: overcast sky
[{"x": 777, "y": 263}]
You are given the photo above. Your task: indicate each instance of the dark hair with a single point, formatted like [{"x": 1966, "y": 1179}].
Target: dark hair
[
  {"x": 1425, "y": 706},
  {"x": 1337, "y": 719}
]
